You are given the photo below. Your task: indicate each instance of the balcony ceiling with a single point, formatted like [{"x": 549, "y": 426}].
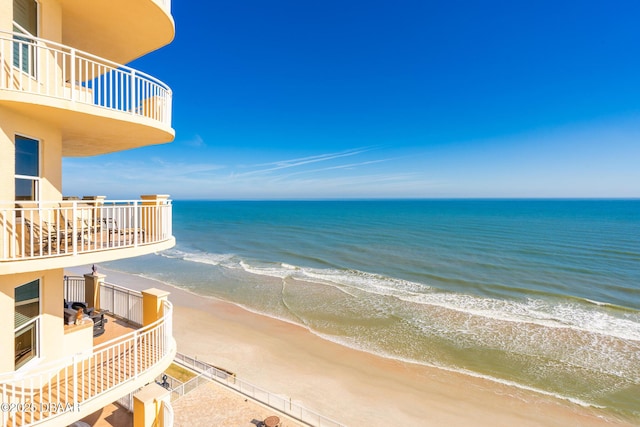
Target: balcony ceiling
[
  {"x": 119, "y": 30},
  {"x": 91, "y": 131}
]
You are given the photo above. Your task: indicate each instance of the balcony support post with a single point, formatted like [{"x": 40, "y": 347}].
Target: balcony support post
[
  {"x": 152, "y": 305},
  {"x": 92, "y": 283},
  {"x": 147, "y": 406}
]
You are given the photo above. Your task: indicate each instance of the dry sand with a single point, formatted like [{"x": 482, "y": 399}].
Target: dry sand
[{"x": 353, "y": 387}]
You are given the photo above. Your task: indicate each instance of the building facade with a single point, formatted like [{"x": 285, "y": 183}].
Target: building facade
[{"x": 65, "y": 92}]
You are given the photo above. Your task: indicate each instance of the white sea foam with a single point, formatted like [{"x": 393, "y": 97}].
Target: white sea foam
[
  {"x": 270, "y": 271},
  {"x": 536, "y": 311},
  {"x": 199, "y": 257},
  {"x": 489, "y": 318},
  {"x": 368, "y": 282}
]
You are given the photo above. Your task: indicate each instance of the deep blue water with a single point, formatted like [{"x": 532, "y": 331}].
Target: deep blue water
[{"x": 542, "y": 294}]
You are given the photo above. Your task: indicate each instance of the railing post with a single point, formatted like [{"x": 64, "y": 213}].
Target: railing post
[
  {"x": 75, "y": 383},
  {"x": 136, "y": 236},
  {"x": 3, "y": 78},
  {"x": 72, "y": 81},
  {"x": 135, "y": 354},
  {"x": 74, "y": 227},
  {"x": 133, "y": 92}
]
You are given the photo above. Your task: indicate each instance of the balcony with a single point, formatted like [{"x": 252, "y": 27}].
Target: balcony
[
  {"x": 63, "y": 391},
  {"x": 68, "y": 233},
  {"x": 83, "y": 94},
  {"x": 97, "y": 27}
]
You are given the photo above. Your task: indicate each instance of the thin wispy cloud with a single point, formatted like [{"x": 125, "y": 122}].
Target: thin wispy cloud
[
  {"x": 196, "y": 142},
  {"x": 291, "y": 163},
  {"x": 338, "y": 167}
]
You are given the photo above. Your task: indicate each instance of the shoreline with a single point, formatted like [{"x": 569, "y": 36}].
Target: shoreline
[{"x": 351, "y": 386}]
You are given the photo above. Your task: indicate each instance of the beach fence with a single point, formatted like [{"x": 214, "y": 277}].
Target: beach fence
[
  {"x": 179, "y": 388},
  {"x": 283, "y": 404}
]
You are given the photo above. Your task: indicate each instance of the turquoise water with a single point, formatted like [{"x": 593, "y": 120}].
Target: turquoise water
[{"x": 543, "y": 295}]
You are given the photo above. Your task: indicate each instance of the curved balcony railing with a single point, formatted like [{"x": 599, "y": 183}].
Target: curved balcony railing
[
  {"x": 37, "y": 66},
  {"x": 67, "y": 385},
  {"x": 33, "y": 230}
]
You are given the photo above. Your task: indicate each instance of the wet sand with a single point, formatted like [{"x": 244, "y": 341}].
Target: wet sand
[{"x": 349, "y": 386}]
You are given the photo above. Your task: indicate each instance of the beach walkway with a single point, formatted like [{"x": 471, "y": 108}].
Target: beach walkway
[
  {"x": 213, "y": 404},
  {"x": 210, "y": 404}
]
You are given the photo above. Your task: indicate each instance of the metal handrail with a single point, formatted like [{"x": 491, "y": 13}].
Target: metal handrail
[
  {"x": 51, "y": 229},
  {"x": 52, "y": 69}
]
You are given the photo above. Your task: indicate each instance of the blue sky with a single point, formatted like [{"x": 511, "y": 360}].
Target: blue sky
[{"x": 390, "y": 99}]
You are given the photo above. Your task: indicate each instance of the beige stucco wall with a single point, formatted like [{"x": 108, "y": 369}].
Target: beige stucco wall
[
  {"x": 11, "y": 123},
  {"x": 50, "y": 154},
  {"x": 51, "y": 321},
  {"x": 6, "y": 14},
  {"x": 49, "y": 21}
]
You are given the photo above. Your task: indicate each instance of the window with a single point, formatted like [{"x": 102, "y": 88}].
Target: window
[
  {"x": 27, "y": 168},
  {"x": 25, "y": 21},
  {"x": 27, "y": 312}
]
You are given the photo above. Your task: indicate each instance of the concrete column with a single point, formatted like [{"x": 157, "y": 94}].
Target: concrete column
[
  {"x": 147, "y": 406},
  {"x": 92, "y": 283},
  {"x": 152, "y": 305}
]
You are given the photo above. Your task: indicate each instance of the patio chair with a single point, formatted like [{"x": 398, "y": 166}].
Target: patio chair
[
  {"x": 98, "y": 324},
  {"x": 71, "y": 314},
  {"x": 111, "y": 225},
  {"x": 85, "y": 226},
  {"x": 42, "y": 236},
  {"x": 75, "y": 305},
  {"x": 44, "y": 230}
]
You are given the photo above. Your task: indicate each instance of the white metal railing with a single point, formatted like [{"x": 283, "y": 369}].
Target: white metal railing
[
  {"x": 278, "y": 402},
  {"x": 38, "y": 66},
  {"x": 126, "y": 401},
  {"x": 117, "y": 300},
  {"x": 74, "y": 289},
  {"x": 167, "y": 414},
  {"x": 51, "y": 229},
  {"x": 121, "y": 302},
  {"x": 66, "y": 385}
]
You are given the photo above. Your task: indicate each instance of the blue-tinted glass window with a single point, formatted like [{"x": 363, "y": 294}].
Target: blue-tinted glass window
[
  {"x": 27, "y": 156},
  {"x": 27, "y": 310},
  {"x": 25, "y": 189},
  {"x": 25, "y": 21}
]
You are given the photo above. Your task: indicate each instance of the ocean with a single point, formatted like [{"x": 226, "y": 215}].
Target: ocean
[{"x": 543, "y": 295}]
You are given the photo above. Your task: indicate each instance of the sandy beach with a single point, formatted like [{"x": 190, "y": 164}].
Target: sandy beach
[{"x": 352, "y": 387}]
